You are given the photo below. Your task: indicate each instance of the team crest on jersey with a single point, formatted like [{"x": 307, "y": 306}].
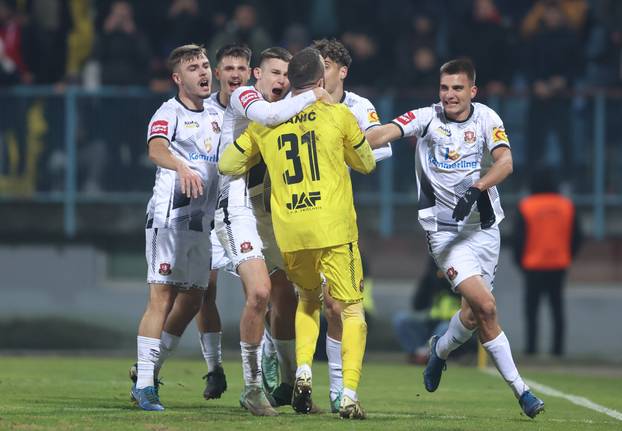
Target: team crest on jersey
[
  {"x": 372, "y": 116},
  {"x": 249, "y": 96},
  {"x": 405, "y": 118},
  {"x": 445, "y": 131},
  {"x": 159, "y": 127},
  {"x": 452, "y": 273},
  {"x": 165, "y": 269},
  {"x": 469, "y": 137},
  {"x": 215, "y": 127},
  {"x": 499, "y": 135},
  {"x": 245, "y": 247}
]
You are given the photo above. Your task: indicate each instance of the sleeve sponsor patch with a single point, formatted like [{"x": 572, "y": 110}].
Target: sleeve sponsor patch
[
  {"x": 405, "y": 118},
  {"x": 248, "y": 96},
  {"x": 372, "y": 117},
  {"x": 499, "y": 135},
  {"x": 159, "y": 127}
]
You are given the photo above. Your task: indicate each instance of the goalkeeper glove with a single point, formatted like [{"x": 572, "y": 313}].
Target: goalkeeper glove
[{"x": 463, "y": 207}]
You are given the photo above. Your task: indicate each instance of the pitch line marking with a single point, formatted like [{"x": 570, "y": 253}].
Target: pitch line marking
[{"x": 575, "y": 399}]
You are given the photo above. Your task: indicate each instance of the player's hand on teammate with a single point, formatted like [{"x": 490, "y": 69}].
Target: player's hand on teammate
[
  {"x": 190, "y": 181},
  {"x": 463, "y": 207},
  {"x": 322, "y": 95}
]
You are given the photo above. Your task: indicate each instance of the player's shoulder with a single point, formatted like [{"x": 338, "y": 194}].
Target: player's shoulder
[
  {"x": 214, "y": 102},
  {"x": 170, "y": 105},
  {"x": 484, "y": 112},
  {"x": 352, "y": 99}
]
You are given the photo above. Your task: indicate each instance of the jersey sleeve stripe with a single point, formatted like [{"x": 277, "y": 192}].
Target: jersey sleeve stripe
[
  {"x": 356, "y": 147},
  {"x": 398, "y": 125},
  {"x": 151, "y": 138},
  {"x": 371, "y": 127},
  {"x": 499, "y": 145},
  {"x": 240, "y": 149}
]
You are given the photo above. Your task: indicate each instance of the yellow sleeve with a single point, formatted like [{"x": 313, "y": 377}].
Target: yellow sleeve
[
  {"x": 240, "y": 156},
  {"x": 358, "y": 154}
]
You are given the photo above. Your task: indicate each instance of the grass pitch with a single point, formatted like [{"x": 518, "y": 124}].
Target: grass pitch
[{"x": 79, "y": 393}]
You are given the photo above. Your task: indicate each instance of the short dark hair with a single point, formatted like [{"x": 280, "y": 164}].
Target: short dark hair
[
  {"x": 306, "y": 68},
  {"x": 275, "y": 52},
  {"x": 460, "y": 65},
  {"x": 334, "y": 50},
  {"x": 185, "y": 53},
  {"x": 234, "y": 50}
]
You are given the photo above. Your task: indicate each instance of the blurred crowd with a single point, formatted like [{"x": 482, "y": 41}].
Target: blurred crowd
[{"x": 547, "y": 46}]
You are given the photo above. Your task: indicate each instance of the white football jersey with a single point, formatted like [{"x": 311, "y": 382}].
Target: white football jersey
[
  {"x": 450, "y": 158},
  {"x": 246, "y": 105},
  {"x": 367, "y": 117},
  {"x": 192, "y": 138}
]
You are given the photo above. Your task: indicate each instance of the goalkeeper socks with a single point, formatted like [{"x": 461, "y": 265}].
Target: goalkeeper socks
[
  {"x": 251, "y": 363},
  {"x": 501, "y": 354},
  {"x": 168, "y": 344},
  {"x": 455, "y": 336},
  {"x": 350, "y": 394},
  {"x": 286, "y": 353},
  {"x": 335, "y": 375},
  {"x": 148, "y": 354},
  {"x": 211, "y": 349},
  {"x": 353, "y": 343},
  {"x": 307, "y": 325}
]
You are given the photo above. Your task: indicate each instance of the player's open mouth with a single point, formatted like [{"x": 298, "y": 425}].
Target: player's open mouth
[
  {"x": 234, "y": 84},
  {"x": 277, "y": 91},
  {"x": 204, "y": 83}
]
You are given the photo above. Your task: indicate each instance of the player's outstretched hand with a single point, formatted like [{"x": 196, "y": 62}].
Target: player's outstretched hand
[
  {"x": 463, "y": 207},
  {"x": 322, "y": 95},
  {"x": 189, "y": 181}
]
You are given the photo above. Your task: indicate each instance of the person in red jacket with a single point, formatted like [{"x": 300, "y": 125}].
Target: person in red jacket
[{"x": 547, "y": 237}]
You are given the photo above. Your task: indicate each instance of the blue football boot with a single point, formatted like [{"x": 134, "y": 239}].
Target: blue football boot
[
  {"x": 434, "y": 370},
  {"x": 147, "y": 398},
  {"x": 530, "y": 404}
]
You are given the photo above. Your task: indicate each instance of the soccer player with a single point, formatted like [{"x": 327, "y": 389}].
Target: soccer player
[
  {"x": 337, "y": 61},
  {"x": 180, "y": 212},
  {"x": 232, "y": 71},
  {"x": 455, "y": 137},
  {"x": 314, "y": 219},
  {"x": 244, "y": 229}
]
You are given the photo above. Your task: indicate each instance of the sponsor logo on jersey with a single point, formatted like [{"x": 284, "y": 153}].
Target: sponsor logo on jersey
[
  {"x": 372, "y": 116},
  {"x": 460, "y": 164},
  {"x": 212, "y": 158},
  {"x": 405, "y": 118},
  {"x": 248, "y": 96},
  {"x": 215, "y": 127},
  {"x": 191, "y": 124},
  {"x": 159, "y": 127},
  {"x": 304, "y": 200},
  {"x": 469, "y": 137},
  {"x": 165, "y": 269},
  {"x": 499, "y": 135},
  {"x": 452, "y": 273},
  {"x": 246, "y": 246},
  {"x": 451, "y": 155},
  {"x": 442, "y": 130}
]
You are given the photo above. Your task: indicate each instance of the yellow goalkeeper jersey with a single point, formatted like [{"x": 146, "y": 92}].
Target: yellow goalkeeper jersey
[{"x": 307, "y": 159}]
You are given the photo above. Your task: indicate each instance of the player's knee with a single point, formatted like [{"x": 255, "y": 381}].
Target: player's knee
[
  {"x": 354, "y": 314},
  {"x": 258, "y": 298},
  {"x": 487, "y": 311}
]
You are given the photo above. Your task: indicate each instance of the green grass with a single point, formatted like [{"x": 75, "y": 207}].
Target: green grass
[{"x": 77, "y": 393}]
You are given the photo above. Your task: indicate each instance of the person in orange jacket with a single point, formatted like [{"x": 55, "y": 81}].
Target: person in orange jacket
[{"x": 547, "y": 237}]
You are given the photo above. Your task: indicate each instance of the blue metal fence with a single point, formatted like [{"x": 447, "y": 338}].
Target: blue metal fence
[{"x": 88, "y": 147}]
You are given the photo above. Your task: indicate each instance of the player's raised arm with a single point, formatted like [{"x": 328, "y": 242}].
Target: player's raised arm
[
  {"x": 240, "y": 156},
  {"x": 380, "y": 136},
  {"x": 274, "y": 113}
]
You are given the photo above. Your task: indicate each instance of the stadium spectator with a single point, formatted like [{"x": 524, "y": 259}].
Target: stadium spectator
[
  {"x": 245, "y": 30},
  {"x": 49, "y": 24},
  {"x": 456, "y": 137},
  {"x": 554, "y": 61},
  {"x": 122, "y": 49},
  {"x": 367, "y": 65},
  {"x": 417, "y": 62},
  {"x": 13, "y": 69},
  {"x": 575, "y": 14},
  {"x": 547, "y": 236},
  {"x": 184, "y": 24},
  {"x": 433, "y": 303}
]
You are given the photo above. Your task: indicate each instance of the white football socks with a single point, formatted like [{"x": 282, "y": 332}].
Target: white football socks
[
  {"x": 501, "y": 354},
  {"x": 168, "y": 344},
  {"x": 211, "y": 349},
  {"x": 148, "y": 354},
  {"x": 251, "y": 363},
  {"x": 335, "y": 373},
  {"x": 457, "y": 334}
]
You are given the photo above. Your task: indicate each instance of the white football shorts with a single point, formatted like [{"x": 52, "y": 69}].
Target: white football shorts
[
  {"x": 461, "y": 255},
  {"x": 179, "y": 258}
]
